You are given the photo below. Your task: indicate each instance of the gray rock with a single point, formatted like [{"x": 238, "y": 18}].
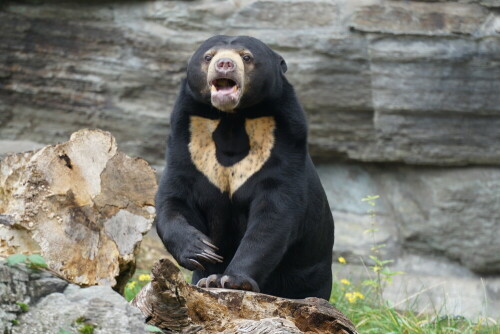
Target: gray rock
[
  {"x": 398, "y": 81},
  {"x": 419, "y": 18},
  {"x": 19, "y": 284},
  {"x": 490, "y": 3},
  {"x": 98, "y": 306},
  {"x": 54, "y": 304},
  {"x": 416, "y": 92},
  {"x": 452, "y": 212}
]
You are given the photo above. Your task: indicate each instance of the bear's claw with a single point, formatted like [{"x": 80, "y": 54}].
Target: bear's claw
[
  {"x": 209, "y": 244},
  {"x": 228, "y": 282},
  {"x": 210, "y": 256},
  {"x": 197, "y": 264}
]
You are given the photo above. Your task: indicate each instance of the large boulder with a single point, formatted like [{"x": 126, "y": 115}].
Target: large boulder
[{"x": 82, "y": 204}]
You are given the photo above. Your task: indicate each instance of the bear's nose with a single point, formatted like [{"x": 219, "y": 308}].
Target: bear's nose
[{"x": 225, "y": 65}]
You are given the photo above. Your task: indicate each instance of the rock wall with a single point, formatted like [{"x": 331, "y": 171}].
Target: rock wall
[
  {"x": 391, "y": 81},
  {"x": 402, "y": 99}
]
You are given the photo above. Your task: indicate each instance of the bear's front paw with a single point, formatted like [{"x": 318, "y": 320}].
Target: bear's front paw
[
  {"x": 197, "y": 252},
  {"x": 237, "y": 282}
]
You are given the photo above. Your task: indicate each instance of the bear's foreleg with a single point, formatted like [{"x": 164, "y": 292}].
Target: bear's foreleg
[
  {"x": 188, "y": 245},
  {"x": 272, "y": 228}
]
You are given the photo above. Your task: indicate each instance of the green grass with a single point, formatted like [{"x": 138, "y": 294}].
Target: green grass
[
  {"x": 136, "y": 283},
  {"x": 370, "y": 316}
]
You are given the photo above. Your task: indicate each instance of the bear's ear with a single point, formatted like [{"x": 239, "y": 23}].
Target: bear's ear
[
  {"x": 281, "y": 61},
  {"x": 283, "y": 65}
]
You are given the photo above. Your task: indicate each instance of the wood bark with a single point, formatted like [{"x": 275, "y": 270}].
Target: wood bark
[
  {"x": 176, "y": 306},
  {"x": 82, "y": 204}
]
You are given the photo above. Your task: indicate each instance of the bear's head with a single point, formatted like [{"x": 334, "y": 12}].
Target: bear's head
[{"x": 233, "y": 73}]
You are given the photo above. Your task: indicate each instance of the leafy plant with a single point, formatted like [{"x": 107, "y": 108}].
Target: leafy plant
[
  {"x": 153, "y": 329},
  {"x": 83, "y": 326},
  {"x": 363, "y": 303},
  {"x": 135, "y": 284},
  {"x": 24, "y": 307},
  {"x": 34, "y": 261},
  {"x": 80, "y": 320},
  {"x": 16, "y": 258},
  {"x": 383, "y": 275},
  {"x": 63, "y": 331},
  {"x": 86, "y": 329}
]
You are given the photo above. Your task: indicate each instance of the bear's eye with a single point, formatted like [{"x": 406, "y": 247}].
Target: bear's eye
[
  {"x": 247, "y": 58},
  {"x": 208, "y": 57}
]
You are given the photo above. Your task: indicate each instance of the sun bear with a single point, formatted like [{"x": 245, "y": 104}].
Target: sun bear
[{"x": 240, "y": 201}]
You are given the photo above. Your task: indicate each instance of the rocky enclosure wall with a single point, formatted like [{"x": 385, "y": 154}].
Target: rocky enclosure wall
[{"x": 403, "y": 100}]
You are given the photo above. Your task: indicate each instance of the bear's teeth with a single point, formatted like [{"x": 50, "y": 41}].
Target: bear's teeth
[{"x": 224, "y": 83}]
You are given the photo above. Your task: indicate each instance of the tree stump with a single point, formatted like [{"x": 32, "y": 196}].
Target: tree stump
[
  {"x": 174, "y": 305},
  {"x": 81, "y": 204}
]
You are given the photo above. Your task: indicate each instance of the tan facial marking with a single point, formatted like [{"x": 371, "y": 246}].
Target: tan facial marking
[
  {"x": 231, "y": 54},
  {"x": 225, "y": 100},
  {"x": 260, "y": 132}
]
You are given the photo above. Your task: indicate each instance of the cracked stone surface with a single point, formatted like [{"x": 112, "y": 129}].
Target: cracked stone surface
[
  {"x": 381, "y": 81},
  {"x": 82, "y": 204},
  {"x": 54, "y": 304}
]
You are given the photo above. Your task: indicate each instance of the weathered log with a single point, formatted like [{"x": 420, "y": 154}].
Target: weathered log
[
  {"x": 81, "y": 204},
  {"x": 174, "y": 305}
]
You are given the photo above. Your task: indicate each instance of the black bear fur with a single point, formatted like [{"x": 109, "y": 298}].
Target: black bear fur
[{"x": 274, "y": 233}]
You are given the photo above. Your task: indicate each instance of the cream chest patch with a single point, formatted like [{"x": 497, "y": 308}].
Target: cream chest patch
[{"x": 260, "y": 133}]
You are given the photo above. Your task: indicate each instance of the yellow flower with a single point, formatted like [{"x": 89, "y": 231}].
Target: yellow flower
[
  {"x": 342, "y": 260},
  {"x": 345, "y": 281},
  {"x": 144, "y": 277},
  {"x": 352, "y": 297},
  {"x": 131, "y": 285},
  {"x": 376, "y": 269},
  {"x": 359, "y": 295}
]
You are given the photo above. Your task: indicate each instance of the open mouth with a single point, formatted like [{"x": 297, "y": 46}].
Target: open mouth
[
  {"x": 225, "y": 93},
  {"x": 224, "y": 86}
]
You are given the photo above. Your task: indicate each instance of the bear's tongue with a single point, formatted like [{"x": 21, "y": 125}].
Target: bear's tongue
[{"x": 225, "y": 86}]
